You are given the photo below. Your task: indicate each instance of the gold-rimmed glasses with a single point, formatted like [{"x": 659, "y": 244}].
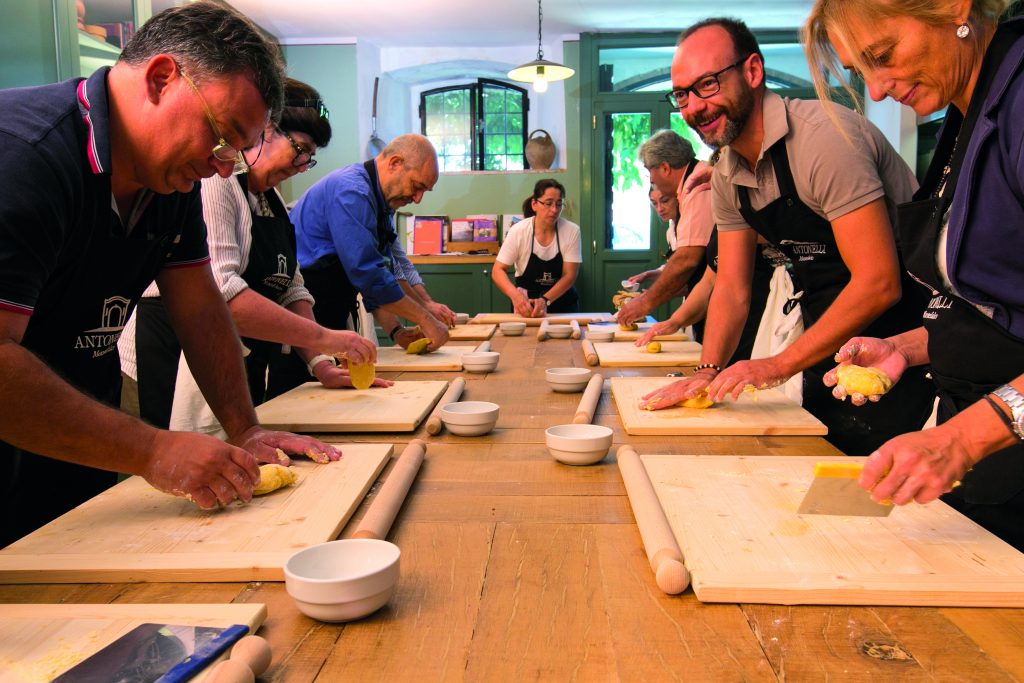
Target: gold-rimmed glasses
[{"x": 223, "y": 150}]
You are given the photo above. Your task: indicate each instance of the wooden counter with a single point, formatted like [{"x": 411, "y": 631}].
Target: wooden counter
[{"x": 515, "y": 567}]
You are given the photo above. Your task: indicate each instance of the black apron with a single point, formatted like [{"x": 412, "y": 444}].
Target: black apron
[
  {"x": 75, "y": 333},
  {"x": 540, "y": 276},
  {"x": 269, "y": 273},
  {"x": 819, "y": 271},
  {"x": 760, "y": 287},
  {"x": 970, "y": 355},
  {"x": 327, "y": 280}
]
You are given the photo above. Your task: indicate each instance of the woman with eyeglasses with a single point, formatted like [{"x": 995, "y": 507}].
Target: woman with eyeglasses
[
  {"x": 252, "y": 253},
  {"x": 962, "y": 238},
  {"x": 544, "y": 251}
]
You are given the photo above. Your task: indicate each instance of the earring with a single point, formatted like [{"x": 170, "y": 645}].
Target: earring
[{"x": 963, "y": 30}]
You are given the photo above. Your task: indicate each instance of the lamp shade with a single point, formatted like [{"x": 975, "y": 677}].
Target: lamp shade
[{"x": 540, "y": 69}]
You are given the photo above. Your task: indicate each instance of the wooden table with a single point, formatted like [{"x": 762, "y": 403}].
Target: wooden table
[{"x": 515, "y": 567}]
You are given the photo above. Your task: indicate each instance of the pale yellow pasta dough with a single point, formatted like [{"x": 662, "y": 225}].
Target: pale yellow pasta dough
[
  {"x": 273, "y": 477},
  {"x": 855, "y": 379}
]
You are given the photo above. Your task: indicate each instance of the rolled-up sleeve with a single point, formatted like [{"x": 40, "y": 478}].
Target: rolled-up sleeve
[{"x": 404, "y": 269}]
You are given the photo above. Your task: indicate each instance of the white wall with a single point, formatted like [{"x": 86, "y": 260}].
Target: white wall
[{"x": 898, "y": 124}]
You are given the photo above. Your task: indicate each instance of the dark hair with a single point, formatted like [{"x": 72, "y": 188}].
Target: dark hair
[
  {"x": 209, "y": 40},
  {"x": 743, "y": 40},
  {"x": 539, "y": 189},
  {"x": 304, "y": 112}
]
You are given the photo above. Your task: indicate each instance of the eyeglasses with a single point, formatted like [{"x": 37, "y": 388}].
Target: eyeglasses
[
  {"x": 223, "y": 151},
  {"x": 705, "y": 87},
  {"x": 317, "y": 104},
  {"x": 558, "y": 204},
  {"x": 303, "y": 157}
]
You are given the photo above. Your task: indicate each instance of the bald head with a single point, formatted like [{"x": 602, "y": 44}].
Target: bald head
[{"x": 407, "y": 169}]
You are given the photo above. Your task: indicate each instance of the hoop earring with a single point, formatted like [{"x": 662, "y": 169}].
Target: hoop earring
[{"x": 963, "y": 30}]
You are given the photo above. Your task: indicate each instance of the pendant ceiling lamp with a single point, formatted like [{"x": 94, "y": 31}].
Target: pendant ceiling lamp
[{"x": 540, "y": 71}]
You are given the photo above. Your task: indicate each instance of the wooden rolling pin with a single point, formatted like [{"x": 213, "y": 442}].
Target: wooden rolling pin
[
  {"x": 660, "y": 544},
  {"x": 542, "y": 331},
  {"x": 575, "y": 325},
  {"x": 455, "y": 389},
  {"x": 392, "y": 494},
  {"x": 588, "y": 404},
  {"x": 589, "y": 352},
  {"x": 484, "y": 346}
]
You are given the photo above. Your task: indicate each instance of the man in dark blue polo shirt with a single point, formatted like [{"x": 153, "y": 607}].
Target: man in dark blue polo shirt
[{"x": 100, "y": 198}]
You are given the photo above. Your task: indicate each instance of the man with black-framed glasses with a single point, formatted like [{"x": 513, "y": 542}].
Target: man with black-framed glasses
[
  {"x": 101, "y": 197},
  {"x": 826, "y": 200}
]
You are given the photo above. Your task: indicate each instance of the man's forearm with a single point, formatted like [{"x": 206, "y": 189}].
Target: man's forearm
[
  {"x": 727, "y": 312},
  {"x": 407, "y": 307},
  {"x": 674, "y": 277},
  {"x": 44, "y": 414}
]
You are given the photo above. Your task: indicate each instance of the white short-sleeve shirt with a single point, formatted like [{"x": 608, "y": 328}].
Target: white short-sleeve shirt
[{"x": 519, "y": 244}]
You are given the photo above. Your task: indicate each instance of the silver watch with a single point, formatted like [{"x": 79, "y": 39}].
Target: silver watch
[{"x": 1015, "y": 400}]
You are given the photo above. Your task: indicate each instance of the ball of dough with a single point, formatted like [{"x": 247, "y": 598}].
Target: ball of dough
[
  {"x": 855, "y": 379},
  {"x": 654, "y": 347},
  {"x": 362, "y": 375},
  {"x": 273, "y": 477},
  {"x": 701, "y": 400},
  {"x": 418, "y": 346},
  {"x": 629, "y": 328}
]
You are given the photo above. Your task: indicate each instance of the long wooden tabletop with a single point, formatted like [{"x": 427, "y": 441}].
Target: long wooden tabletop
[{"x": 515, "y": 567}]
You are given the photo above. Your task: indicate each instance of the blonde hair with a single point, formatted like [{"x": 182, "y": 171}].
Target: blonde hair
[{"x": 838, "y": 15}]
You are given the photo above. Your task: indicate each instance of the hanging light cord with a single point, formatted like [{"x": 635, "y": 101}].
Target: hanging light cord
[{"x": 540, "y": 19}]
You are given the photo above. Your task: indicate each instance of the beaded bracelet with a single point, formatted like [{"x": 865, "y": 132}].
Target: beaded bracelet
[{"x": 708, "y": 366}]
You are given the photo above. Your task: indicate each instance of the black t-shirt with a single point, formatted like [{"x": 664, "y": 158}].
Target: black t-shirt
[{"x": 55, "y": 162}]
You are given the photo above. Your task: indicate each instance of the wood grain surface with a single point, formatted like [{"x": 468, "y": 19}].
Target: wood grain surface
[
  {"x": 735, "y": 519},
  {"x": 620, "y": 355},
  {"x": 764, "y": 412},
  {"x": 395, "y": 359},
  {"x": 633, "y": 335},
  {"x": 471, "y": 332},
  {"x": 581, "y": 318},
  {"x": 132, "y": 532},
  {"x": 314, "y": 408}
]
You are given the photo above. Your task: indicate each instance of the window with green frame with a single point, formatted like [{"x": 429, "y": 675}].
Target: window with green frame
[{"x": 477, "y": 127}]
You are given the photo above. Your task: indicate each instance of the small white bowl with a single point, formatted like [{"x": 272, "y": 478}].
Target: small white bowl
[
  {"x": 342, "y": 580},
  {"x": 559, "y": 331},
  {"x": 512, "y": 329},
  {"x": 480, "y": 361},
  {"x": 601, "y": 333},
  {"x": 461, "y": 318},
  {"x": 578, "y": 444},
  {"x": 469, "y": 418},
  {"x": 567, "y": 380}
]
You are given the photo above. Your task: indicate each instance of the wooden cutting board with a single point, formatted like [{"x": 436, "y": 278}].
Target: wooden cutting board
[
  {"x": 40, "y": 642},
  {"x": 736, "y": 522},
  {"x": 471, "y": 332},
  {"x": 582, "y": 318},
  {"x": 673, "y": 353},
  {"x": 764, "y": 412},
  {"x": 133, "y": 533},
  {"x": 314, "y": 408},
  {"x": 633, "y": 335},
  {"x": 395, "y": 359}
]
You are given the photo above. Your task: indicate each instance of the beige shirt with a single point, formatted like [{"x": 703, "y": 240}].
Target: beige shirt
[
  {"x": 695, "y": 219},
  {"x": 833, "y": 175}
]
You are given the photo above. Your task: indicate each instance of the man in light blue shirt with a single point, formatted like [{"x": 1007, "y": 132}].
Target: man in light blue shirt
[{"x": 347, "y": 244}]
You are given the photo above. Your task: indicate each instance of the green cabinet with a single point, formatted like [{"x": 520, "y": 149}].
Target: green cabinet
[{"x": 465, "y": 287}]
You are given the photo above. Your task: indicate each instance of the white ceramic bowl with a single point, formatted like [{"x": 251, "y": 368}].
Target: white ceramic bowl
[
  {"x": 601, "y": 333},
  {"x": 469, "y": 418},
  {"x": 480, "y": 361},
  {"x": 342, "y": 580},
  {"x": 461, "y": 318},
  {"x": 567, "y": 380},
  {"x": 578, "y": 444},
  {"x": 559, "y": 331},
  {"x": 512, "y": 329}
]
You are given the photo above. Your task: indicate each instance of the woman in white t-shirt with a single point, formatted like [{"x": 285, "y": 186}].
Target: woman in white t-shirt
[{"x": 545, "y": 252}]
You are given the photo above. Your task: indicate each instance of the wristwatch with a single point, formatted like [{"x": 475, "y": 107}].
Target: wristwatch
[
  {"x": 1015, "y": 401},
  {"x": 547, "y": 301}
]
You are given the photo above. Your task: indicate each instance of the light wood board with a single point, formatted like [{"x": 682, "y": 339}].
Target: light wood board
[
  {"x": 581, "y": 318},
  {"x": 314, "y": 408},
  {"x": 133, "y": 533},
  {"x": 633, "y": 335},
  {"x": 40, "y": 642},
  {"x": 735, "y": 519},
  {"x": 764, "y": 412},
  {"x": 673, "y": 354},
  {"x": 395, "y": 359},
  {"x": 471, "y": 332}
]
